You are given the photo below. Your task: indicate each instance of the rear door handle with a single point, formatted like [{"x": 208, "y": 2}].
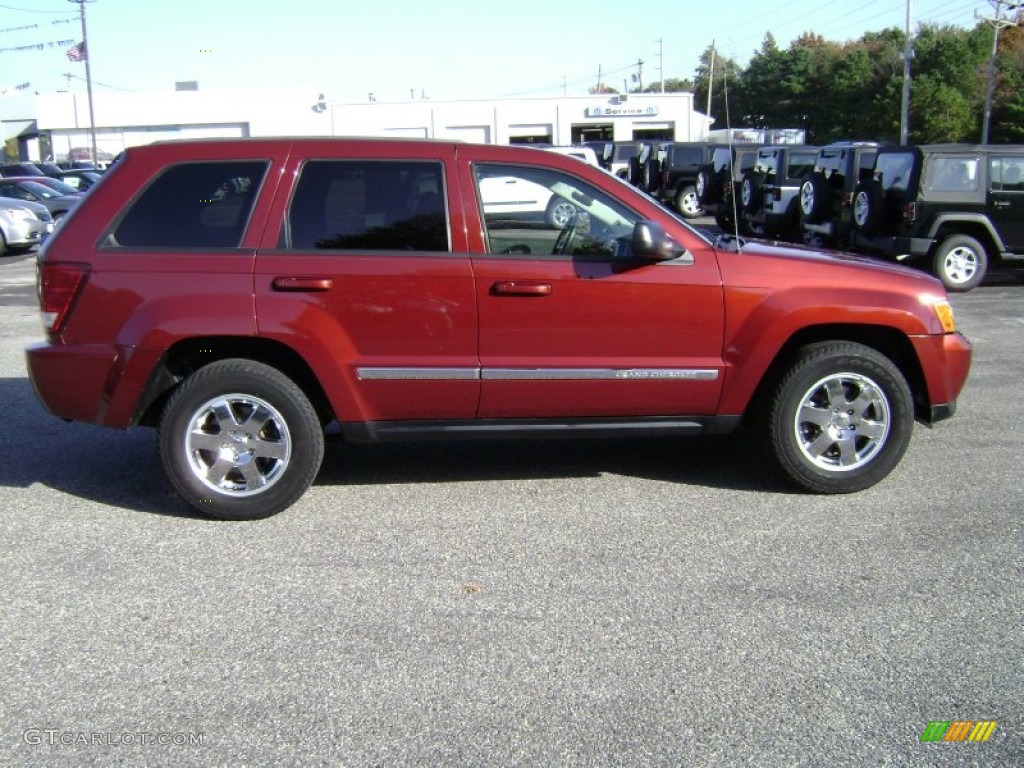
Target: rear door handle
[
  {"x": 514, "y": 288},
  {"x": 302, "y": 283}
]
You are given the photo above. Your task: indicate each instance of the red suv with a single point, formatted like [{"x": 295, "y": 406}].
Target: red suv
[{"x": 241, "y": 295}]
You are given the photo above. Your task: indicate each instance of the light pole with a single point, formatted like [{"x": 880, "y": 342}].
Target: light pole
[
  {"x": 908, "y": 54},
  {"x": 88, "y": 79}
]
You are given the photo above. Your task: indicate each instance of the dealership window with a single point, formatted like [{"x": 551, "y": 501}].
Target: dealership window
[
  {"x": 192, "y": 205},
  {"x": 376, "y": 205}
]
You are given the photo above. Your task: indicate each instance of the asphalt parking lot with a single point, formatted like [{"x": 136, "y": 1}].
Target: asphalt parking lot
[{"x": 640, "y": 603}]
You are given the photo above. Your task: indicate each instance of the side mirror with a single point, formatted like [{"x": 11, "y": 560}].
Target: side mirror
[{"x": 652, "y": 243}]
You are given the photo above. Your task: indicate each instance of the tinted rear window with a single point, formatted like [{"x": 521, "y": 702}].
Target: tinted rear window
[
  {"x": 193, "y": 205},
  {"x": 892, "y": 170},
  {"x": 369, "y": 205}
]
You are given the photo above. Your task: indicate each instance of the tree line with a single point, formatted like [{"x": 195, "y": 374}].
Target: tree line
[{"x": 852, "y": 90}]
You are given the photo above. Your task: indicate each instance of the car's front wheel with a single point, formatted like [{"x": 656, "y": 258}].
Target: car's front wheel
[
  {"x": 840, "y": 418},
  {"x": 960, "y": 263},
  {"x": 239, "y": 440}
]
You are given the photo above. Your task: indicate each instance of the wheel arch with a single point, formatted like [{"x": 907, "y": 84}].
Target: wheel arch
[
  {"x": 887, "y": 341},
  {"x": 189, "y": 355},
  {"x": 978, "y": 227}
]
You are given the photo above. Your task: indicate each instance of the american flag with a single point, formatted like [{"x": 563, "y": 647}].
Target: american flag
[{"x": 76, "y": 52}]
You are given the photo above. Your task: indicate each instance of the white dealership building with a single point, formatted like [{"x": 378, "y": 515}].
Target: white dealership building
[{"x": 129, "y": 119}]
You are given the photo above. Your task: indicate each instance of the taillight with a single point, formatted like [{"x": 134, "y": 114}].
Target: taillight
[
  {"x": 776, "y": 194},
  {"x": 59, "y": 285},
  {"x": 910, "y": 213}
]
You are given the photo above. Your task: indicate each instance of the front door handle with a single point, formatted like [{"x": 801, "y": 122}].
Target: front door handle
[
  {"x": 515, "y": 288},
  {"x": 302, "y": 283}
]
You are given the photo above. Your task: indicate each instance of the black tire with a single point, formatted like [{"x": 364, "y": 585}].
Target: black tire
[
  {"x": 271, "y": 419},
  {"x": 687, "y": 204},
  {"x": 3, "y": 244},
  {"x": 867, "y": 207},
  {"x": 635, "y": 173},
  {"x": 815, "y": 199},
  {"x": 960, "y": 262},
  {"x": 708, "y": 186},
  {"x": 653, "y": 175},
  {"x": 750, "y": 192},
  {"x": 840, "y": 418}
]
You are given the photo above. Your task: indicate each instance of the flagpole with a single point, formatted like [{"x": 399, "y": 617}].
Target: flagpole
[{"x": 88, "y": 81}]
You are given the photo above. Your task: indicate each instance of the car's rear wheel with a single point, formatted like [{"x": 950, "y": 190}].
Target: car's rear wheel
[
  {"x": 239, "y": 440},
  {"x": 960, "y": 263},
  {"x": 840, "y": 418},
  {"x": 687, "y": 203}
]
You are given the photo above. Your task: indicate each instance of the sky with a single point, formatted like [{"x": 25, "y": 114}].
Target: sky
[{"x": 398, "y": 50}]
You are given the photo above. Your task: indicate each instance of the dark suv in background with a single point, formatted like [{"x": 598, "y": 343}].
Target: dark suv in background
[
  {"x": 718, "y": 182},
  {"x": 679, "y": 164},
  {"x": 951, "y": 208},
  {"x": 770, "y": 190},
  {"x": 826, "y": 196}
]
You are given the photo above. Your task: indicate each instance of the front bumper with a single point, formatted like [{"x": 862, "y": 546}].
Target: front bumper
[{"x": 945, "y": 362}]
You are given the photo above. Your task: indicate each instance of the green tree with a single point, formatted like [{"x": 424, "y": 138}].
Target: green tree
[
  {"x": 672, "y": 85},
  {"x": 727, "y": 74}
]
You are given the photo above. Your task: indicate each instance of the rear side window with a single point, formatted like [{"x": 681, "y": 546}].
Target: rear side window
[
  {"x": 951, "y": 174},
  {"x": 192, "y": 205},
  {"x": 799, "y": 164},
  {"x": 377, "y": 205}
]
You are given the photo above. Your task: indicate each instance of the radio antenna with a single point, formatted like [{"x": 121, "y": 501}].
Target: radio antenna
[{"x": 732, "y": 160}]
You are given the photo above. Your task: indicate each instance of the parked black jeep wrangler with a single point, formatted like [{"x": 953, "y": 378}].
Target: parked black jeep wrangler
[
  {"x": 718, "y": 183},
  {"x": 826, "y": 196},
  {"x": 770, "y": 190},
  {"x": 952, "y": 208},
  {"x": 679, "y": 163}
]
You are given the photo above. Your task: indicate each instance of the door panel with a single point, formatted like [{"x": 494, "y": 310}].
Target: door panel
[
  {"x": 597, "y": 340},
  {"x": 370, "y": 283}
]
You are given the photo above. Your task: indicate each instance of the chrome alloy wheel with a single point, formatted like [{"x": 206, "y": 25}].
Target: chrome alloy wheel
[
  {"x": 960, "y": 264},
  {"x": 237, "y": 444},
  {"x": 842, "y": 422}
]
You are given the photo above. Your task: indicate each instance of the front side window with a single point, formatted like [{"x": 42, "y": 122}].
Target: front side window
[
  {"x": 1006, "y": 174},
  {"x": 192, "y": 205},
  {"x": 377, "y": 205},
  {"x": 538, "y": 211}
]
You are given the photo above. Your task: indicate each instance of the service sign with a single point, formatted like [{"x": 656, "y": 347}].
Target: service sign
[{"x": 621, "y": 111}]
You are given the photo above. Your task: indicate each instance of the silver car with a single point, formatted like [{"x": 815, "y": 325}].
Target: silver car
[{"x": 22, "y": 224}]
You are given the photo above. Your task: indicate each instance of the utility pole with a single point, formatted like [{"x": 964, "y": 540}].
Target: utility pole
[
  {"x": 661, "y": 62},
  {"x": 639, "y": 75},
  {"x": 88, "y": 77},
  {"x": 908, "y": 54},
  {"x": 711, "y": 78},
  {"x": 998, "y": 22}
]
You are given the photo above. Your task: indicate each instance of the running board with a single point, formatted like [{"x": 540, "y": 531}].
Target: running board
[{"x": 509, "y": 429}]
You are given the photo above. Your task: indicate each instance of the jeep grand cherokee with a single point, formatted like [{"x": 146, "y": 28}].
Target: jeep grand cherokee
[{"x": 241, "y": 294}]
